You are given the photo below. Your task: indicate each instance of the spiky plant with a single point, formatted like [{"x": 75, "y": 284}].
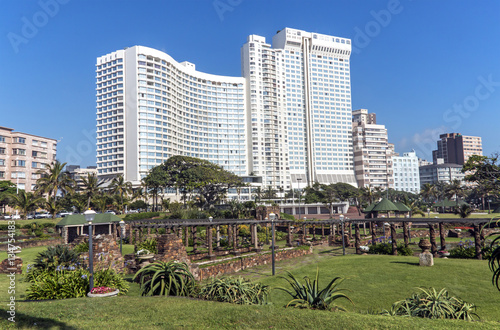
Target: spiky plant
[
  {"x": 308, "y": 295},
  {"x": 235, "y": 291},
  {"x": 433, "y": 304},
  {"x": 494, "y": 262},
  {"x": 59, "y": 255},
  {"x": 165, "y": 278}
]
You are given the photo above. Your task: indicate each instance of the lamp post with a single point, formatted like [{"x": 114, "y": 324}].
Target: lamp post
[
  {"x": 267, "y": 231},
  {"x": 89, "y": 217},
  {"x": 428, "y": 212},
  {"x": 122, "y": 230},
  {"x": 341, "y": 217},
  {"x": 272, "y": 216},
  {"x": 300, "y": 194},
  {"x": 409, "y": 229}
]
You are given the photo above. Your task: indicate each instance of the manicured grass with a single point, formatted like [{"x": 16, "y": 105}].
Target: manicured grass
[{"x": 374, "y": 281}]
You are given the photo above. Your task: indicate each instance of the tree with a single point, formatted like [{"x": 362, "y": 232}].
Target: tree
[
  {"x": 463, "y": 210},
  {"x": 329, "y": 196},
  {"x": 121, "y": 188},
  {"x": 270, "y": 193},
  {"x": 199, "y": 177},
  {"x": 156, "y": 179},
  {"x": 428, "y": 192},
  {"x": 91, "y": 186},
  {"x": 54, "y": 179},
  {"x": 455, "y": 189},
  {"x": 52, "y": 206},
  {"x": 26, "y": 202},
  {"x": 7, "y": 189}
]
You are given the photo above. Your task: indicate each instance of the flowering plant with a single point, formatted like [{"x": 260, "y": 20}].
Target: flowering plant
[{"x": 101, "y": 290}]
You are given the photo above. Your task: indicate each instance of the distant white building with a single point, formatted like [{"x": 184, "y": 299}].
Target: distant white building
[
  {"x": 440, "y": 172},
  {"x": 406, "y": 172}
]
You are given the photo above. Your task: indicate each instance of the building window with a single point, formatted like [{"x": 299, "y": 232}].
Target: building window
[
  {"x": 2, "y": 151},
  {"x": 20, "y": 140},
  {"x": 2, "y": 175},
  {"x": 21, "y": 152},
  {"x": 2, "y": 162},
  {"x": 2, "y": 138}
]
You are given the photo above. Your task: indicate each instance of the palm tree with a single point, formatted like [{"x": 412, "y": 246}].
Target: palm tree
[
  {"x": 54, "y": 179},
  {"x": 412, "y": 205},
  {"x": 52, "y": 206},
  {"x": 121, "y": 188},
  {"x": 26, "y": 202},
  {"x": 428, "y": 191},
  {"x": 257, "y": 194},
  {"x": 463, "y": 210},
  {"x": 455, "y": 189},
  {"x": 270, "y": 193},
  {"x": 91, "y": 186}
]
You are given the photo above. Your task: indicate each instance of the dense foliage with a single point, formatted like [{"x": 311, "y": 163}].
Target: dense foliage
[
  {"x": 140, "y": 216},
  {"x": 386, "y": 248},
  {"x": 308, "y": 295},
  {"x": 165, "y": 278},
  {"x": 55, "y": 256},
  {"x": 433, "y": 305},
  {"x": 235, "y": 291},
  {"x": 150, "y": 244}
]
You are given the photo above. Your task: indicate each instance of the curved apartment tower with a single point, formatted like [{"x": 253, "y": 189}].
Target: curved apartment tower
[{"x": 151, "y": 107}]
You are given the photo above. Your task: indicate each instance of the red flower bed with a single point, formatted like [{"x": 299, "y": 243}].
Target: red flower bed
[
  {"x": 101, "y": 290},
  {"x": 464, "y": 228}
]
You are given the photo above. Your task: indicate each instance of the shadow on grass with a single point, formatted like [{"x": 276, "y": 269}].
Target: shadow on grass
[
  {"x": 28, "y": 321},
  {"x": 406, "y": 262}
]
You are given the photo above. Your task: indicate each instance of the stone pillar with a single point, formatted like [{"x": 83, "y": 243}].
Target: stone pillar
[
  {"x": 113, "y": 230},
  {"x": 187, "y": 237},
  {"x": 193, "y": 233},
  {"x": 477, "y": 241},
  {"x": 331, "y": 236},
  {"x": 217, "y": 236},
  {"x": 364, "y": 228},
  {"x": 393, "y": 239},
  {"x": 442, "y": 236},
  {"x": 322, "y": 231},
  {"x": 256, "y": 241},
  {"x": 149, "y": 231},
  {"x": 137, "y": 240},
  {"x": 289, "y": 236},
  {"x": 304, "y": 233},
  {"x": 405, "y": 233},
  {"x": 229, "y": 235},
  {"x": 235, "y": 240},
  {"x": 209, "y": 243},
  {"x": 432, "y": 236},
  {"x": 314, "y": 232},
  {"x": 374, "y": 234},
  {"x": 349, "y": 229},
  {"x": 65, "y": 235},
  {"x": 357, "y": 237},
  {"x": 131, "y": 232}
]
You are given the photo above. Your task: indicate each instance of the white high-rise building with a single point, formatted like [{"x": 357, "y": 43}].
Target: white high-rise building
[
  {"x": 287, "y": 120},
  {"x": 406, "y": 172},
  {"x": 299, "y": 108},
  {"x": 150, "y": 107}
]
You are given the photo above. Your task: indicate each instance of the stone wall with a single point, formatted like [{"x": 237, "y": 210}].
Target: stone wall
[
  {"x": 35, "y": 243},
  {"x": 106, "y": 252},
  {"x": 240, "y": 263},
  {"x": 11, "y": 266}
]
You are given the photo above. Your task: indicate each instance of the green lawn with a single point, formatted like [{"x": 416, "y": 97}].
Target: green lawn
[{"x": 374, "y": 281}]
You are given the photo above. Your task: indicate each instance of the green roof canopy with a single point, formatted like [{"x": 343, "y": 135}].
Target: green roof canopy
[
  {"x": 385, "y": 205},
  {"x": 402, "y": 207},
  {"x": 79, "y": 219},
  {"x": 446, "y": 203},
  {"x": 369, "y": 208}
]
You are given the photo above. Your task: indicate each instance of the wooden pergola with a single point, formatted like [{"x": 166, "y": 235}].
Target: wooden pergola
[{"x": 328, "y": 227}]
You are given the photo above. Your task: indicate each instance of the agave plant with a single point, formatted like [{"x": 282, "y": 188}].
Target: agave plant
[
  {"x": 165, "y": 278},
  {"x": 235, "y": 290},
  {"x": 494, "y": 263},
  {"x": 429, "y": 303},
  {"x": 308, "y": 295},
  {"x": 59, "y": 255}
]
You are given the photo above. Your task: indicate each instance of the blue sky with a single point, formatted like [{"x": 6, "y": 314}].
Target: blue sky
[{"x": 425, "y": 67}]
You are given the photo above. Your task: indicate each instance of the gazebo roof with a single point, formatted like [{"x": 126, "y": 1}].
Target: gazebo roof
[
  {"x": 402, "y": 207},
  {"x": 369, "y": 208},
  {"x": 446, "y": 203},
  {"x": 79, "y": 219},
  {"x": 385, "y": 205}
]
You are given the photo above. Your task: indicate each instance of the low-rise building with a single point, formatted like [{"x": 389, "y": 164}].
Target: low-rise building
[
  {"x": 440, "y": 172},
  {"x": 406, "y": 172},
  {"x": 23, "y": 155}
]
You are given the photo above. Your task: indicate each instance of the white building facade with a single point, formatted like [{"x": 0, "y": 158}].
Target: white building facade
[
  {"x": 299, "y": 108},
  {"x": 150, "y": 107},
  {"x": 406, "y": 172}
]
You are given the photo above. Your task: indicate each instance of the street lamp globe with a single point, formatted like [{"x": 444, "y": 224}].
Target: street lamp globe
[{"x": 89, "y": 216}]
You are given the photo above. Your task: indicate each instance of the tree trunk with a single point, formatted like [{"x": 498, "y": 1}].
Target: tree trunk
[
  {"x": 405, "y": 233},
  {"x": 357, "y": 238},
  {"x": 393, "y": 239},
  {"x": 374, "y": 234},
  {"x": 432, "y": 237},
  {"x": 442, "y": 236},
  {"x": 477, "y": 241}
]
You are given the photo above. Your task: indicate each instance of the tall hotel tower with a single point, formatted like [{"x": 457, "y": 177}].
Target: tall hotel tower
[
  {"x": 288, "y": 119},
  {"x": 150, "y": 107},
  {"x": 299, "y": 108}
]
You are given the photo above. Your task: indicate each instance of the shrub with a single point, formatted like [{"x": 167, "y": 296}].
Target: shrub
[
  {"x": 70, "y": 282},
  {"x": 165, "y": 278},
  {"x": 386, "y": 248},
  {"x": 235, "y": 291},
  {"x": 244, "y": 230},
  {"x": 47, "y": 225},
  {"x": 287, "y": 216},
  {"x": 82, "y": 247},
  {"x": 150, "y": 244},
  {"x": 433, "y": 305},
  {"x": 59, "y": 255},
  {"x": 308, "y": 295},
  {"x": 140, "y": 216},
  {"x": 6, "y": 226}
]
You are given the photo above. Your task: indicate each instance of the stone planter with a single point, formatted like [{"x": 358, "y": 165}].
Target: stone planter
[
  {"x": 145, "y": 256},
  {"x": 424, "y": 244},
  {"x": 103, "y": 295}
]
